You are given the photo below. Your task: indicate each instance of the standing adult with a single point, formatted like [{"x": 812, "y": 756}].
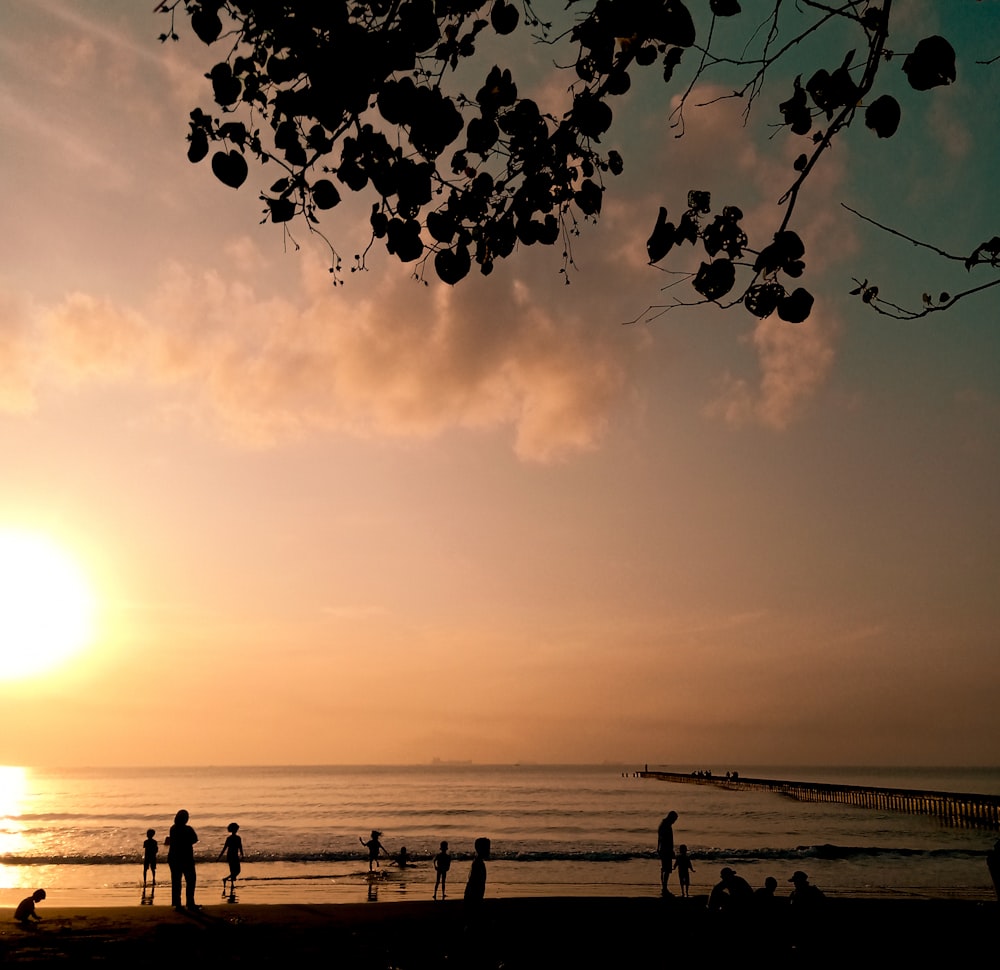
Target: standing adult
[
  {"x": 665, "y": 850},
  {"x": 180, "y": 859}
]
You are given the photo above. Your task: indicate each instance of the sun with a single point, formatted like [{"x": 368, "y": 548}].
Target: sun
[{"x": 46, "y": 606}]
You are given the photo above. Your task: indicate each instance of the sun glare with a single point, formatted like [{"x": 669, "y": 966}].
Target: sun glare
[
  {"x": 46, "y": 607},
  {"x": 13, "y": 789}
]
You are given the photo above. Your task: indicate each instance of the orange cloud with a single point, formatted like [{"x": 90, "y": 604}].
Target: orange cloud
[
  {"x": 794, "y": 362},
  {"x": 93, "y": 338},
  {"x": 389, "y": 357},
  {"x": 17, "y": 392},
  {"x": 402, "y": 361},
  {"x": 718, "y": 154}
]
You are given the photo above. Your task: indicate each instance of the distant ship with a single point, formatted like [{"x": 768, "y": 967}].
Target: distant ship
[{"x": 448, "y": 761}]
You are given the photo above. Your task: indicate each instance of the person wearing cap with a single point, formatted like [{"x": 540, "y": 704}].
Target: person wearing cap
[
  {"x": 804, "y": 893},
  {"x": 807, "y": 925},
  {"x": 732, "y": 894}
]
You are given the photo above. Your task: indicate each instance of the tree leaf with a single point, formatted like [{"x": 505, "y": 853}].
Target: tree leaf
[
  {"x": 325, "y": 194},
  {"x": 795, "y": 307},
  {"x": 763, "y": 298},
  {"x": 588, "y": 197},
  {"x": 281, "y": 210},
  {"x": 230, "y": 168},
  {"x": 931, "y": 64},
  {"x": 198, "y": 148},
  {"x": 206, "y": 24},
  {"x": 504, "y": 17},
  {"x": 882, "y": 116},
  {"x": 715, "y": 279},
  {"x": 452, "y": 265},
  {"x": 661, "y": 240}
]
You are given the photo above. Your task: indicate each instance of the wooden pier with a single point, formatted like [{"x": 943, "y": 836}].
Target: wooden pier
[{"x": 960, "y": 809}]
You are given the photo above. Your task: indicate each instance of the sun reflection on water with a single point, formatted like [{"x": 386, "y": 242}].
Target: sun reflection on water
[{"x": 13, "y": 795}]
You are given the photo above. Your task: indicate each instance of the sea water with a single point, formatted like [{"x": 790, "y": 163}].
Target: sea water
[{"x": 555, "y": 830}]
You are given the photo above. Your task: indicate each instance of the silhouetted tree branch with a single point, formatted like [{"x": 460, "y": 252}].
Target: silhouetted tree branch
[
  {"x": 985, "y": 254},
  {"x": 363, "y": 97}
]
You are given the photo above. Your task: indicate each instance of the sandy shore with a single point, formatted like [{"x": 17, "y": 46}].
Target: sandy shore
[{"x": 513, "y": 933}]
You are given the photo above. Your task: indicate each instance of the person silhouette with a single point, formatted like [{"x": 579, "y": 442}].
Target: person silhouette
[
  {"x": 475, "y": 938},
  {"x": 26, "y": 907},
  {"x": 805, "y": 906},
  {"x": 804, "y": 894},
  {"x": 475, "y": 888},
  {"x": 402, "y": 858},
  {"x": 684, "y": 868},
  {"x": 149, "y": 850},
  {"x": 731, "y": 894},
  {"x": 374, "y": 847},
  {"x": 665, "y": 850},
  {"x": 180, "y": 858},
  {"x": 993, "y": 866},
  {"x": 442, "y": 863},
  {"x": 232, "y": 849},
  {"x": 765, "y": 895}
]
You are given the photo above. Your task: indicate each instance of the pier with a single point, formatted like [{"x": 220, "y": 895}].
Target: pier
[{"x": 961, "y": 809}]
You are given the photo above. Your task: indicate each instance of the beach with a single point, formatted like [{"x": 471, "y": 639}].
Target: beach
[
  {"x": 512, "y": 933},
  {"x": 555, "y": 831},
  {"x": 573, "y": 878}
]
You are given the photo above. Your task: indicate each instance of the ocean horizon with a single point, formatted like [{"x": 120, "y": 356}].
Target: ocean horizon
[{"x": 555, "y": 830}]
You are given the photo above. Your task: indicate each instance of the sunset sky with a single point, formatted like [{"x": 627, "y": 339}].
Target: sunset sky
[{"x": 386, "y": 522}]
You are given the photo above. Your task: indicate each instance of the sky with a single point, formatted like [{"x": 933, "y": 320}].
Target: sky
[{"x": 385, "y": 522}]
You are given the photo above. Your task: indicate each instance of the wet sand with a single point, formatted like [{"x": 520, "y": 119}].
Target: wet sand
[{"x": 579, "y": 932}]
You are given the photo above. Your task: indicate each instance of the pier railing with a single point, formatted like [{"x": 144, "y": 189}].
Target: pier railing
[{"x": 960, "y": 809}]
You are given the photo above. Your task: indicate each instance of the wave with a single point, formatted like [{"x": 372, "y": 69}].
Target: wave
[
  {"x": 88, "y": 817},
  {"x": 826, "y": 851}
]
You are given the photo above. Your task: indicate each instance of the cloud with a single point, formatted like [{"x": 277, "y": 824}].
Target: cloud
[
  {"x": 261, "y": 362},
  {"x": 17, "y": 367},
  {"x": 398, "y": 360},
  {"x": 721, "y": 156},
  {"x": 414, "y": 361},
  {"x": 794, "y": 363},
  {"x": 93, "y": 337}
]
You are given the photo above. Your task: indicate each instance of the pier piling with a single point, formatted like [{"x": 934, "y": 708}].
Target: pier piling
[{"x": 959, "y": 809}]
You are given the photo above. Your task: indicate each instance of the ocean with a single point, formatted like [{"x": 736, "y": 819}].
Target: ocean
[{"x": 564, "y": 830}]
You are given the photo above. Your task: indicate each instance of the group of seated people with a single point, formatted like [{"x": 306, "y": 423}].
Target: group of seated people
[{"x": 733, "y": 894}]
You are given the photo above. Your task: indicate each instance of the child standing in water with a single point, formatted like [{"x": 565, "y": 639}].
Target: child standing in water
[
  {"x": 233, "y": 851},
  {"x": 684, "y": 869},
  {"x": 374, "y": 847},
  {"x": 149, "y": 850},
  {"x": 442, "y": 863}
]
